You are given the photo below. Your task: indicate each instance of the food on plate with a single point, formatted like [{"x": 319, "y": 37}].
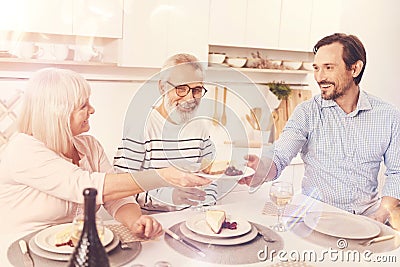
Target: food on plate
[
  {"x": 63, "y": 237},
  {"x": 214, "y": 167},
  {"x": 229, "y": 225},
  {"x": 215, "y": 219},
  {"x": 232, "y": 171}
]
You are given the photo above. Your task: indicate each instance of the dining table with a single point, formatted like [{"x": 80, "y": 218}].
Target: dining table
[{"x": 300, "y": 245}]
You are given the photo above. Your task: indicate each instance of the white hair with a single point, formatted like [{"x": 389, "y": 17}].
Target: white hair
[{"x": 50, "y": 97}]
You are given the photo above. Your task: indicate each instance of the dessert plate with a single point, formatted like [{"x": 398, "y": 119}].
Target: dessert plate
[
  {"x": 219, "y": 241},
  {"x": 198, "y": 225},
  {"x": 247, "y": 171},
  {"x": 62, "y": 256},
  {"x": 46, "y": 239},
  {"x": 340, "y": 224}
]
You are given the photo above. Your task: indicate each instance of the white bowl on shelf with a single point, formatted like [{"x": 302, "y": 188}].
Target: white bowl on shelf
[
  {"x": 236, "y": 62},
  {"x": 216, "y": 58},
  {"x": 293, "y": 65}
]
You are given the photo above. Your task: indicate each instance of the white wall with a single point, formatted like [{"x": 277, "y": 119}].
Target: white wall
[{"x": 377, "y": 24}]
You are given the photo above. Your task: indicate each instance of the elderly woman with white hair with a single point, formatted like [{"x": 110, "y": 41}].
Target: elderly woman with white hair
[{"x": 47, "y": 165}]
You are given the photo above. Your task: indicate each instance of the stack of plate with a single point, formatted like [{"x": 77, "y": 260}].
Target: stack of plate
[
  {"x": 43, "y": 243},
  {"x": 196, "y": 229}
]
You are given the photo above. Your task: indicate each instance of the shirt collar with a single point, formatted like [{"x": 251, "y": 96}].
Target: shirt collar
[{"x": 363, "y": 103}]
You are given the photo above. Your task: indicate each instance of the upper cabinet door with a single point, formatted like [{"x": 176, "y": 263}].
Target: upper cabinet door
[
  {"x": 227, "y": 22},
  {"x": 100, "y": 18},
  {"x": 262, "y": 26},
  {"x": 144, "y": 42},
  {"x": 188, "y": 28},
  {"x": 321, "y": 24},
  {"x": 294, "y": 31},
  {"x": 45, "y": 16}
]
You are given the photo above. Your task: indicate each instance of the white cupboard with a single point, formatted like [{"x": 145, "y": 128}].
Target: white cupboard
[
  {"x": 321, "y": 24},
  {"x": 227, "y": 22},
  {"x": 292, "y": 25},
  {"x": 262, "y": 23},
  {"x": 44, "y": 16},
  {"x": 295, "y": 24},
  {"x": 155, "y": 30},
  {"x": 100, "y": 18}
]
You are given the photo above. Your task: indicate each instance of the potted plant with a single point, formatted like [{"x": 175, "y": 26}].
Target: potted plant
[{"x": 280, "y": 89}]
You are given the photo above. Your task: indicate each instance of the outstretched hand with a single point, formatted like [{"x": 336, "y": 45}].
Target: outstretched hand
[
  {"x": 182, "y": 179},
  {"x": 264, "y": 169}
]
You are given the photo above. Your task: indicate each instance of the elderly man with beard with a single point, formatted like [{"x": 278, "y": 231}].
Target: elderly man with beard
[
  {"x": 343, "y": 135},
  {"x": 170, "y": 135}
]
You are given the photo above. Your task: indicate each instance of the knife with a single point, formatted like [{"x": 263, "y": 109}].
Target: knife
[
  {"x": 185, "y": 242},
  {"x": 28, "y": 262}
]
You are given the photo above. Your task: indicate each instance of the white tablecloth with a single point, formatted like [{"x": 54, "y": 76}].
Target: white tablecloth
[{"x": 241, "y": 203}]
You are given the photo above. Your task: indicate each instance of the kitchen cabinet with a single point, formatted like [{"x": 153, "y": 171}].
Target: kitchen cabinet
[
  {"x": 154, "y": 30},
  {"x": 292, "y": 25},
  {"x": 227, "y": 22},
  {"x": 295, "y": 24},
  {"x": 45, "y": 16},
  {"x": 322, "y": 25},
  {"x": 100, "y": 18},
  {"x": 262, "y": 23}
]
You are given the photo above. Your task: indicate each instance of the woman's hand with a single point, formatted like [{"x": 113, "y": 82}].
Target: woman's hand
[
  {"x": 146, "y": 227},
  {"x": 182, "y": 179}
]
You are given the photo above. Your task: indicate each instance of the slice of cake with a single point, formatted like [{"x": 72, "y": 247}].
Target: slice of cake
[
  {"x": 215, "y": 219},
  {"x": 214, "y": 167}
]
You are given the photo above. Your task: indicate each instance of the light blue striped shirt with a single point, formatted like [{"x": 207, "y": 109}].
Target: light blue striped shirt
[{"x": 342, "y": 152}]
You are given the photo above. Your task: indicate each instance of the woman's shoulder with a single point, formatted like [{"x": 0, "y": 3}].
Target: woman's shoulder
[{"x": 87, "y": 140}]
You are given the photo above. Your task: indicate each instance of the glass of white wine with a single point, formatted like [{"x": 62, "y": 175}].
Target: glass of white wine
[{"x": 281, "y": 194}]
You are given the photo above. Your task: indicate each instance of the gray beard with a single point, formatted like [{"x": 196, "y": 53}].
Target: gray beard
[{"x": 178, "y": 116}]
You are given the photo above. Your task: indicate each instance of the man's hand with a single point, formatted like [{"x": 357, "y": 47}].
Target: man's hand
[
  {"x": 146, "y": 227},
  {"x": 188, "y": 196},
  {"x": 385, "y": 209},
  {"x": 265, "y": 170}
]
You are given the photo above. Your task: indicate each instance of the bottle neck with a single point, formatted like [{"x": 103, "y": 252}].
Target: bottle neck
[{"x": 90, "y": 210}]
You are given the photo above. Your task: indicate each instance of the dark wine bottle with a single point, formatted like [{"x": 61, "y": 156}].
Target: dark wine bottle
[{"x": 89, "y": 251}]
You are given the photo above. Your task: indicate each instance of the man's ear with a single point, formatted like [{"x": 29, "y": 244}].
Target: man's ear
[
  {"x": 356, "y": 68},
  {"x": 161, "y": 87}
]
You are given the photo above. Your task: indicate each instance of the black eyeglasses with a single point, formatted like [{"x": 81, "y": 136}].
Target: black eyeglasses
[{"x": 184, "y": 89}]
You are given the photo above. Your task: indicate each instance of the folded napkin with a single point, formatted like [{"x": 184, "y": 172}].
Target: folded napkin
[
  {"x": 124, "y": 234},
  {"x": 291, "y": 210}
]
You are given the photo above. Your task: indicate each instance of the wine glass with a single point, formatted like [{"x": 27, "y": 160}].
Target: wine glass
[
  {"x": 77, "y": 227},
  {"x": 281, "y": 194}
]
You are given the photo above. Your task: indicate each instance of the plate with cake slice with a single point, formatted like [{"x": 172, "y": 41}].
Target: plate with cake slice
[
  {"x": 216, "y": 223},
  {"x": 221, "y": 169}
]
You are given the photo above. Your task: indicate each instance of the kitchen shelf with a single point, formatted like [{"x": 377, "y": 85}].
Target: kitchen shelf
[{"x": 254, "y": 70}]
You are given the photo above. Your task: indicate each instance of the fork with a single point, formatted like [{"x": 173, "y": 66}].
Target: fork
[
  {"x": 264, "y": 236},
  {"x": 376, "y": 239}
]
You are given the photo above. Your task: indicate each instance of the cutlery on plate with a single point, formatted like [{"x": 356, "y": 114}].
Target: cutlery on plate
[
  {"x": 223, "y": 118},
  {"x": 28, "y": 262},
  {"x": 376, "y": 239},
  {"x": 185, "y": 242}
]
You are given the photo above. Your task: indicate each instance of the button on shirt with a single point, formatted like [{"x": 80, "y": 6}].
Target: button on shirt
[{"x": 342, "y": 152}]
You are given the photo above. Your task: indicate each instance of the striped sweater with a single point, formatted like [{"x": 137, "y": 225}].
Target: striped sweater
[{"x": 162, "y": 144}]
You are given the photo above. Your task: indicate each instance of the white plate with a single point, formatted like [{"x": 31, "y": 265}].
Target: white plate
[
  {"x": 198, "y": 225},
  {"x": 219, "y": 241},
  {"x": 46, "y": 240},
  {"x": 344, "y": 225},
  {"x": 247, "y": 172},
  {"x": 60, "y": 256}
]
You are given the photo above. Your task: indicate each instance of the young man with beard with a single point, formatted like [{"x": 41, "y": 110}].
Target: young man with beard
[
  {"x": 169, "y": 134},
  {"x": 342, "y": 135}
]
